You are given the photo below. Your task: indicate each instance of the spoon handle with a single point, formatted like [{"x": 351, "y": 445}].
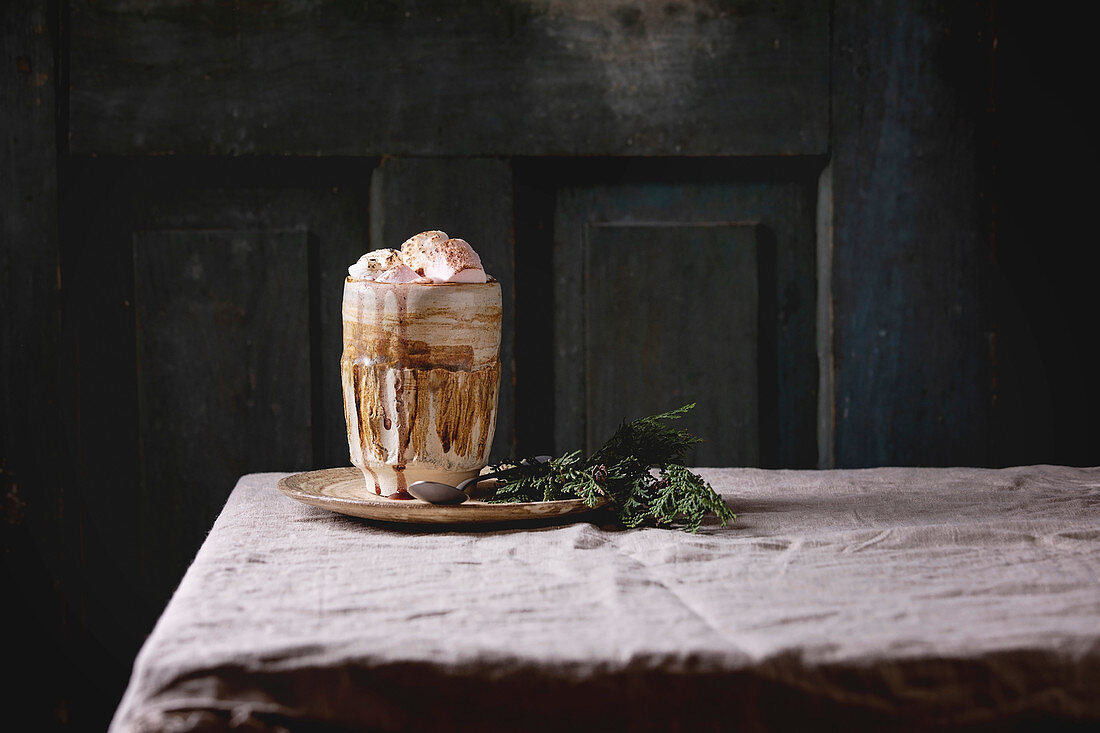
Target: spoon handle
[
  {"x": 483, "y": 477},
  {"x": 495, "y": 474}
]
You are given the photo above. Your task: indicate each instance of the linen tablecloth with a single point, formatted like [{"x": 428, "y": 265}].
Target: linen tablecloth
[{"x": 879, "y": 598}]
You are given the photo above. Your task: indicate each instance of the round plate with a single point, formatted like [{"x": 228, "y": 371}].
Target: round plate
[{"x": 343, "y": 490}]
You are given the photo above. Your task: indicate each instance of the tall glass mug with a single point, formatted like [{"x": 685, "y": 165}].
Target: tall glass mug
[{"x": 421, "y": 378}]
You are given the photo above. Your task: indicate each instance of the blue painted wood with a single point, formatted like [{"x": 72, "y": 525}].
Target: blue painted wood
[{"x": 912, "y": 265}]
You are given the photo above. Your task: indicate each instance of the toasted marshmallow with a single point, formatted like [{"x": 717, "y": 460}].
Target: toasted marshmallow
[
  {"x": 417, "y": 251},
  {"x": 373, "y": 265},
  {"x": 401, "y": 274},
  {"x": 468, "y": 275},
  {"x": 428, "y": 257},
  {"x": 443, "y": 260}
]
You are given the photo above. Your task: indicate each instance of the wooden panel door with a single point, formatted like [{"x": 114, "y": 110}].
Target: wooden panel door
[
  {"x": 206, "y": 297},
  {"x": 672, "y": 315},
  {"x": 224, "y": 368},
  {"x": 617, "y": 247}
]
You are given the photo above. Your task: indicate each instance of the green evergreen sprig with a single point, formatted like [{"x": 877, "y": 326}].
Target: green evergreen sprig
[{"x": 622, "y": 469}]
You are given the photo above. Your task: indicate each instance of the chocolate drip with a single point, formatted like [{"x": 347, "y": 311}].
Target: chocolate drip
[
  {"x": 402, "y": 298},
  {"x": 373, "y": 475},
  {"x": 356, "y": 377},
  {"x": 456, "y": 407}
]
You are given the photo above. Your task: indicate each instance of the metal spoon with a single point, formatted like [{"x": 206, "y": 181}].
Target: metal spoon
[{"x": 435, "y": 492}]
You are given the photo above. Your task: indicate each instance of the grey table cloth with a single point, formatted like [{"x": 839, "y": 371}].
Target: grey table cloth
[{"x": 880, "y": 598}]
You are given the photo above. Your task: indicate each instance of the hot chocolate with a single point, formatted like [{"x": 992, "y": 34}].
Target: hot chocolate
[{"x": 421, "y": 366}]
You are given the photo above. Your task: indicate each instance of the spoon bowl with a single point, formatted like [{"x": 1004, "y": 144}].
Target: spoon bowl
[{"x": 435, "y": 492}]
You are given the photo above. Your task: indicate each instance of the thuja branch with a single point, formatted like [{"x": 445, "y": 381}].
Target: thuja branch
[{"x": 640, "y": 469}]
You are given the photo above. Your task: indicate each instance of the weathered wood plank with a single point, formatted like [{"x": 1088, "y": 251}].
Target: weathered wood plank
[
  {"x": 535, "y": 77},
  {"x": 37, "y": 563},
  {"x": 223, "y": 354},
  {"x": 535, "y": 192},
  {"x": 911, "y": 261},
  {"x": 469, "y": 198},
  {"x": 672, "y": 316},
  {"x": 785, "y": 211}
]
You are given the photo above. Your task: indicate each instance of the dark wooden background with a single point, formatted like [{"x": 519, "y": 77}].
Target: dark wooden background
[{"x": 854, "y": 233}]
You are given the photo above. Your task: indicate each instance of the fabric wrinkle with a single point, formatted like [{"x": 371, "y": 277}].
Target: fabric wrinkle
[{"x": 953, "y": 594}]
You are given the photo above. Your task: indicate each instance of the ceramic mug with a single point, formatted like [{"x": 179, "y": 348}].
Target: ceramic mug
[{"x": 421, "y": 378}]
